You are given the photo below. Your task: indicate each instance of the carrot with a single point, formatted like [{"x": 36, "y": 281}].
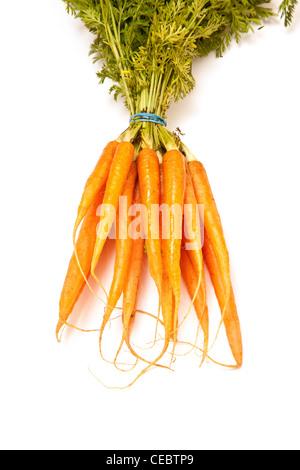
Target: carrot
[
  {"x": 174, "y": 176},
  {"x": 167, "y": 298},
  {"x": 95, "y": 182},
  {"x": 167, "y": 305},
  {"x": 123, "y": 249},
  {"x": 213, "y": 226},
  {"x": 115, "y": 184},
  {"x": 192, "y": 233},
  {"x": 131, "y": 284},
  {"x": 231, "y": 319},
  {"x": 192, "y": 225},
  {"x": 131, "y": 287},
  {"x": 75, "y": 282},
  {"x": 190, "y": 278},
  {"x": 149, "y": 180}
]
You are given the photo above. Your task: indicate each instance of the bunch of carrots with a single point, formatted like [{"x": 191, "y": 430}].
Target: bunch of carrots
[
  {"x": 146, "y": 49},
  {"x": 169, "y": 177}
]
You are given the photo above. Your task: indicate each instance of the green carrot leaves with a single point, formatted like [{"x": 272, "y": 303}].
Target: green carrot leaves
[
  {"x": 146, "y": 47},
  {"x": 286, "y": 11}
]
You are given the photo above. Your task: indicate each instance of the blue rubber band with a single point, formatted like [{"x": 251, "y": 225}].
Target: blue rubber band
[{"x": 148, "y": 117}]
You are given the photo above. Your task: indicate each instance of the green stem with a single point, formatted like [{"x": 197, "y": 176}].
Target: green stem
[
  {"x": 161, "y": 93},
  {"x": 130, "y": 134},
  {"x": 116, "y": 48},
  {"x": 152, "y": 88},
  {"x": 188, "y": 154},
  {"x": 166, "y": 139}
]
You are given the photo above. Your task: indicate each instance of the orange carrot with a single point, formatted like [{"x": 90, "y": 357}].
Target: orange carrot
[
  {"x": 115, "y": 184},
  {"x": 123, "y": 248},
  {"x": 131, "y": 283},
  {"x": 192, "y": 234},
  {"x": 174, "y": 176},
  {"x": 75, "y": 282},
  {"x": 190, "y": 278},
  {"x": 95, "y": 182},
  {"x": 213, "y": 225},
  {"x": 167, "y": 305},
  {"x": 231, "y": 319},
  {"x": 131, "y": 286},
  {"x": 167, "y": 297},
  {"x": 149, "y": 179},
  {"x": 192, "y": 225}
]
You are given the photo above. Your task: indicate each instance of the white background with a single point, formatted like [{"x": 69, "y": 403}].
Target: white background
[{"x": 242, "y": 121}]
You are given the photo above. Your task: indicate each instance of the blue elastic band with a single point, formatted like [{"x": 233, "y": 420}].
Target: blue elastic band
[{"x": 148, "y": 117}]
